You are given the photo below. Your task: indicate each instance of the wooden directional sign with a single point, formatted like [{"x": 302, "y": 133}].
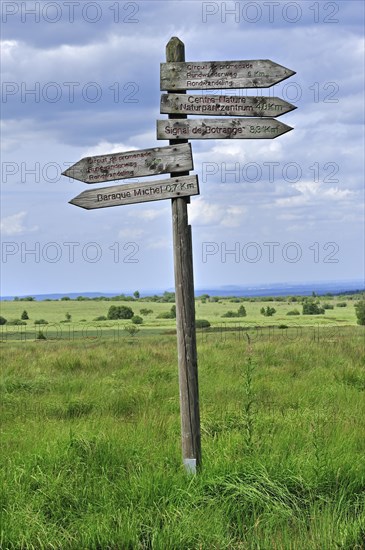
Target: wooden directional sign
[
  {"x": 132, "y": 164},
  {"x": 218, "y": 128},
  {"x": 227, "y": 105},
  {"x": 170, "y": 188},
  {"x": 215, "y": 75}
]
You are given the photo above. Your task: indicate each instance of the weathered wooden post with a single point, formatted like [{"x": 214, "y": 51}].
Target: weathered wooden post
[{"x": 185, "y": 309}]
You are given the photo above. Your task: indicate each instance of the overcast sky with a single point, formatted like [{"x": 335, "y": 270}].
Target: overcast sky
[{"x": 82, "y": 78}]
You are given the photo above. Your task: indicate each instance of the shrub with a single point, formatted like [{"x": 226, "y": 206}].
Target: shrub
[
  {"x": 242, "y": 311},
  {"x": 268, "y": 312},
  {"x": 40, "y": 336},
  {"x": 120, "y": 312},
  {"x": 328, "y": 306},
  {"x": 293, "y": 312},
  {"x": 145, "y": 311},
  {"x": 282, "y": 326},
  {"x": 202, "y": 323},
  {"x": 137, "y": 320},
  {"x": 341, "y": 304},
  {"x": 100, "y": 318},
  {"x": 230, "y": 314},
  {"x": 164, "y": 315},
  {"x": 16, "y": 322},
  {"x": 360, "y": 312},
  {"x": 24, "y": 316},
  {"x": 312, "y": 308},
  {"x": 168, "y": 314},
  {"x": 131, "y": 329},
  {"x": 41, "y": 322},
  {"x": 2, "y": 320}
]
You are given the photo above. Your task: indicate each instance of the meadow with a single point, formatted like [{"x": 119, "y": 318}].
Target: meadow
[{"x": 90, "y": 431}]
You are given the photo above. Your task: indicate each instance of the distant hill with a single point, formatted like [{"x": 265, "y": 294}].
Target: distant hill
[{"x": 275, "y": 289}]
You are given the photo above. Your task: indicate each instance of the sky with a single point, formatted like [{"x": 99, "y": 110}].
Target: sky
[{"x": 82, "y": 78}]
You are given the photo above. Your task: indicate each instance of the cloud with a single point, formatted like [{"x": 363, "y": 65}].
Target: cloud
[
  {"x": 131, "y": 233},
  {"x": 203, "y": 213},
  {"x": 262, "y": 199},
  {"x": 309, "y": 192},
  {"x": 14, "y": 225}
]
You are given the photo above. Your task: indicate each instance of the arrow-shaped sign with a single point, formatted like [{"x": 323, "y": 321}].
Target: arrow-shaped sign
[
  {"x": 218, "y": 128},
  {"x": 220, "y": 75},
  {"x": 183, "y": 186},
  {"x": 132, "y": 164},
  {"x": 226, "y": 105}
]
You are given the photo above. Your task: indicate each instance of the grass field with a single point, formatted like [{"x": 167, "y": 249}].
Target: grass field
[
  {"x": 84, "y": 313},
  {"x": 90, "y": 433}
]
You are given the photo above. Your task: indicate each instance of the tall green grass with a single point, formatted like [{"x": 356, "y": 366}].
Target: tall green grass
[{"x": 91, "y": 444}]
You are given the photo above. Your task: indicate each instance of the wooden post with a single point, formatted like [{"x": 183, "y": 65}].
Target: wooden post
[{"x": 185, "y": 309}]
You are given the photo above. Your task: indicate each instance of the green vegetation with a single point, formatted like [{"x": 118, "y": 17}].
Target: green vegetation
[
  {"x": 91, "y": 453},
  {"x": 202, "y": 323},
  {"x": 132, "y": 330},
  {"x": 311, "y": 307},
  {"x": 120, "y": 312},
  {"x": 268, "y": 311},
  {"x": 145, "y": 311},
  {"x": 137, "y": 320},
  {"x": 168, "y": 314},
  {"x": 241, "y": 312},
  {"x": 360, "y": 312},
  {"x": 293, "y": 312}
]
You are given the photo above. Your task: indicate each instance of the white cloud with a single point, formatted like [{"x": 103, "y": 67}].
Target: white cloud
[
  {"x": 131, "y": 233},
  {"x": 310, "y": 192},
  {"x": 203, "y": 212},
  {"x": 107, "y": 148},
  {"x": 149, "y": 214},
  {"x": 14, "y": 225}
]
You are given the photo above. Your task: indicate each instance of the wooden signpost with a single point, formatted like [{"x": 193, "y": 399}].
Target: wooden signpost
[
  {"x": 176, "y": 159},
  {"x": 216, "y": 128},
  {"x": 218, "y": 75},
  {"x": 227, "y": 105},
  {"x": 177, "y": 75},
  {"x": 155, "y": 190},
  {"x": 132, "y": 164}
]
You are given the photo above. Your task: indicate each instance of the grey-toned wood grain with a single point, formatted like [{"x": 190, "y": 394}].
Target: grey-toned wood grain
[
  {"x": 132, "y": 164},
  {"x": 221, "y": 128},
  {"x": 185, "y": 313},
  {"x": 220, "y": 75},
  {"x": 133, "y": 193},
  {"x": 224, "y": 105}
]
